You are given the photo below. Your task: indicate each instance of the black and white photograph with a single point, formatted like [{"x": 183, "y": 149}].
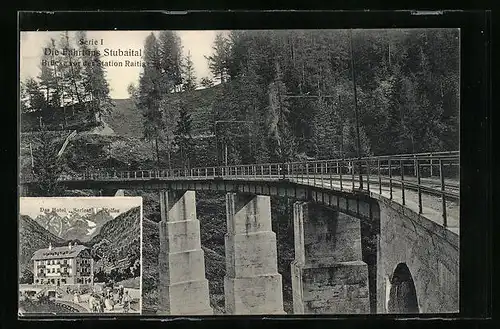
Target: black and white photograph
[
  {"x": 79, "y": 255},
  {"x": 281, "y": 172}
]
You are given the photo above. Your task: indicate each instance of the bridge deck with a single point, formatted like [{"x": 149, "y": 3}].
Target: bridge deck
[{"x": 431, "y": 197}]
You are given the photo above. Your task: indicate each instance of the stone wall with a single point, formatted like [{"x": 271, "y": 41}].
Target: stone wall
[{"x": 431, "y": 253}]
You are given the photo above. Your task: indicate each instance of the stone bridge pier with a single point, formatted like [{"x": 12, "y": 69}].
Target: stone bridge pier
[
  {"x": 252, "y": 284},
  {"x": 328, "y": 274},
  {"x": 183, "y": 288}
]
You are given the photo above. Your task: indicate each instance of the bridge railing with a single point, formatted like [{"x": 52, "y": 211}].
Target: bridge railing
[{"x": 393, "y": 175}]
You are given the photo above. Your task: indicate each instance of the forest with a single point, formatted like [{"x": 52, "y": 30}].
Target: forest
[
  {"x": 291, "y": 94},
  {"x": 71, "y": 81}
]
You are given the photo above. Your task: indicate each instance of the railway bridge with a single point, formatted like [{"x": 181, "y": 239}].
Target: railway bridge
[{"x": 412, "y": 200}]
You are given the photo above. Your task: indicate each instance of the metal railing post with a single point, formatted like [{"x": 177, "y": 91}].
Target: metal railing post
[
  {"x": 368, "y": 175},
  {"x": 315, "y": 169},
  {"x": 331, "y": 181},
  {"x": 431, "y": 168},
  {"x": 415, "y": 165},
  {"x": 419, "y": 189},
  {"x": 307, "y": 172},
  {"x": 443, "y": 199},
  {"x": 340, "y": 173},
  {"x": 352, "y": 166},
  {"x": 390, "y": 180},
  {"x": 379, "y": 177},
  {"x": 402, "y": 181}
]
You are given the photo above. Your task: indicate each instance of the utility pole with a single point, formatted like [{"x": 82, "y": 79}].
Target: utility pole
[
  {"x": 358, "y": 142},
  {"x": 225, "y": 141},
  {"x": 225, "y": 153},
  {"x": 32, "y": 160},
  {"x": 341, "y": 130}
]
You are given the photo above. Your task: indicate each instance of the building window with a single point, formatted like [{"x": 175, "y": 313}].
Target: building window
[
  {"x": 53, "y": 270},
  {"x": 58, "y": 270},
  {"x": 65, "y": 261},
  {"x": 63, "y": 281},
  {"x": 36, "y": 281}
]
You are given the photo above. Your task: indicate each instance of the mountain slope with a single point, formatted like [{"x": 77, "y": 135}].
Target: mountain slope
[
  {"x": 126, "y": 119},
  {"x": 117, "y": 246},
  {"x": 32, "y": 236}
]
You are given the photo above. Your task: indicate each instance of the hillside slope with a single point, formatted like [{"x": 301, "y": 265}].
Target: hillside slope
[
  {"x": 32, "y": 236},
  {"x": 117, "y": 247},
  {"x": 126, "y": 119}
]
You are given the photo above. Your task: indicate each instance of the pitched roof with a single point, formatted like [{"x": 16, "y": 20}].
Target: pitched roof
[{"x": 58, "y": 252}]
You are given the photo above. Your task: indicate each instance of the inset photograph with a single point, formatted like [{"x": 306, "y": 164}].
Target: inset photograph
[{"x": 80, "y": 255}]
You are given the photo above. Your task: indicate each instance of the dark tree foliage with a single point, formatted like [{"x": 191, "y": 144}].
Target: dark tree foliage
[
  {"x": 189, "y": 75},
  {"x": 183, "y": 139},
  {"x": 47, "y": 165},
  {"x": 407, "y": 84},
  {"x": 34, "y": 97}
]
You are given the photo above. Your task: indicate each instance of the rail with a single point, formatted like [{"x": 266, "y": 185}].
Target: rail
[{"x": 434, "y": 174}]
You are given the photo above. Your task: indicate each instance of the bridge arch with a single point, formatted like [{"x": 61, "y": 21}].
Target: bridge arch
[{"x": 402, "y": 293}]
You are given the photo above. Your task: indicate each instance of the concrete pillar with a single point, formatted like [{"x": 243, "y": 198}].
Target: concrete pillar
[
  {"x": 252, "y": 284},
  {"x": 183, "y": 289},
  {"x": 328, "y": 275}
]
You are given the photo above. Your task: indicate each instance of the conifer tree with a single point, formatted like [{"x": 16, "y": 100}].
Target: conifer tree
[
  {"x": 48, "y": 75},
  {"x": 183, "y": 139},
  {"x": 170, "y": 52},
  {"x": 70, "y": 71},
  {"x": 150, "y": 93},
  {"x": 47, "y": 166},
  {"x": 189, "y": 75},
  {"x": 218, "y": 62},
  {"x": 206, "y": 82},
  {"x": 282, "y": 142},
  {"x": 34, "y": 95},
  {"x": 93, "y": 78}
]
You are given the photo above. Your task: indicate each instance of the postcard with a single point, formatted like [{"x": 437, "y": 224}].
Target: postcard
[{"x": 281, "y": 172}]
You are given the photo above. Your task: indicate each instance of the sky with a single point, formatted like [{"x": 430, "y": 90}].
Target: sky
[
  {"x": 197, "y": 43},
  {"x": 31, "y": 206}
]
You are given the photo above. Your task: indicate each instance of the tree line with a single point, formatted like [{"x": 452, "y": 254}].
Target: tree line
[
  {"x": 166, "y": 117},
  {"x": 296, "y": 89},
  {"x": 70, "y": 73}
]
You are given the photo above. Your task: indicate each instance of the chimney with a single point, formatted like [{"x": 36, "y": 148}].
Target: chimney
[
  {"x": 50, "y": 246},
  {"x": 69, "y": 245}
]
